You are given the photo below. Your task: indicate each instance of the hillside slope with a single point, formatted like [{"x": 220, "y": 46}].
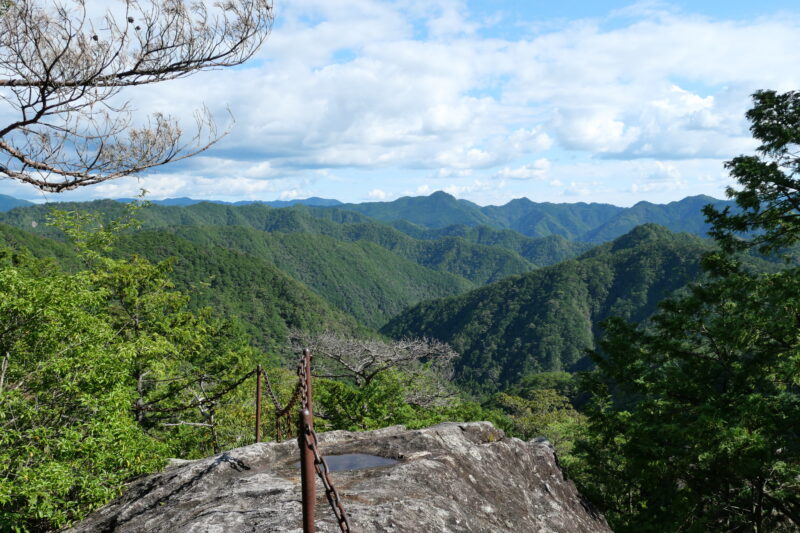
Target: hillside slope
[
  {"x": 267, "y": 301},
  {"x": 9, "y": 202},
  {"x": 361, "y": 278},
  {"x": 475, "y": 261},
  {"x": 546, "y": 319}
]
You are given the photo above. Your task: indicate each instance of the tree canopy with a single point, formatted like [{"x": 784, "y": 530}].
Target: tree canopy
[{"x": 694, "y": 422}]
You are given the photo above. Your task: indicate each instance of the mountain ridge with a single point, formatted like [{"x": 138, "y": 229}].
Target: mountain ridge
[
  {"x": 545, "y": 320},
  {"x": 583, "y": 222},
  {"x": 8, "y": 203}
]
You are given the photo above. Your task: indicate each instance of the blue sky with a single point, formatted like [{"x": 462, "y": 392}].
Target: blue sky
[{"x": 365, "y": 100}]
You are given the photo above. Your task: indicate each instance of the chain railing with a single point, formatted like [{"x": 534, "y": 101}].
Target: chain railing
[{"x": 312, "y": 462}]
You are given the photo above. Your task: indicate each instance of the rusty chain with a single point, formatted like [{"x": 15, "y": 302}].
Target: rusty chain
[
  {"x": 153, "y": 405},
  {"x": 301, "y": 394},
  {"x": 320, "y": 465},
  {"x": 323, "y": 472},
  {"x": 283, "y": 418},
  {"x": 301, "y": 383}
]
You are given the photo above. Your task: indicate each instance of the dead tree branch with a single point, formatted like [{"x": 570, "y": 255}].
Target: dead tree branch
[
  {"x": 426, "y": 364},
  {"x": 61, "y": 71}
]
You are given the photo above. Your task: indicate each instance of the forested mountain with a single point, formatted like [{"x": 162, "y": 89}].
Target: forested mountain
[
  {"x": 580, "y": 221},
  {"x": 373, "y": 270},
  {"x": 257, "y": 216},
  {"x": 41, "y": 247},
  {"x": 184, "y": 201},
  {"x": 457, "y": 254},
  {"x": 541, "y": 251},
  {"x": 460, "y": 252},
  {"x": 361, "y": 278},
  {"x": 446, "y": 216},
  {"x": 263, "y": 298},
  {"x": 438, "y": 210},
  {"x": 546, "y": 319},
  {"x": 9, "y": 202},
  {"x": 572, "y": 221},
  {"x": 684, "y": 216}
]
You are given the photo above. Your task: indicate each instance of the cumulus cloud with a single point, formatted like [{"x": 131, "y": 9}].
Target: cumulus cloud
[
  {"x": 444, "y": 173},
  {"x": 293, "y": 194},
  {"x": 377, "y": 194},
  {"x": 577, "y": 189},
  {"x": 170, "y": 185},
  {"x": 377, "y": 86},
  {"x": 421, "y": 190},
  {"x": 476, "y": 186},
  {"x": 664, "y": 177},
  {"x": 533, "y": 171},
  {"x": 622, "y": 92}
]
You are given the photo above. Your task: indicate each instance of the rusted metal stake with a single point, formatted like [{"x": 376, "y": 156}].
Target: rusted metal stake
[
  {"x": 307, "y": 363},
  {"x": 307, "y": 472},
  {"x": 258, "y": 403}
]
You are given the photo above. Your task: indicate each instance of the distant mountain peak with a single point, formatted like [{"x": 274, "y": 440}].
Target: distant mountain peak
[
  {"x": 7, "y": 203},
  {"x": 699, "y": 198},
  {"x": 441, "y": 195},
  {"x": 641, "y": 234}
]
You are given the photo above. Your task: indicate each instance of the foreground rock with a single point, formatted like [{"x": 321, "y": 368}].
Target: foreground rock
[{"x": 447, "y": 478}]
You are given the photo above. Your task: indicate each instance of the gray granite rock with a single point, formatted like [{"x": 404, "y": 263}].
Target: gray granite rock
[{"x": 448, "y": 478}]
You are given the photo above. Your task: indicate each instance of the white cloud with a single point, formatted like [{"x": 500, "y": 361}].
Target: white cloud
[
  {"x": 444, "y": 173},
  {"x": 400, "y": 87},
  {"x": 664, "y": 177},
  {"x": 159, "y": 186},
  {"x": 449, "y": 20},
  {"x": 537, "y": 170},
  {"x": 292, "y": 194},
  {"x": 423, "y": 189},
  {"x": 577, "y": 189},
  {"x": 593, "y": 130},
  {"x": 377, "y": 194},
  {"x": 475, "y": 187}
]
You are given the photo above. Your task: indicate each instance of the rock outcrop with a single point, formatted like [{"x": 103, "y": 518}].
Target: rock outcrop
[{"x": 447, "y": 478}]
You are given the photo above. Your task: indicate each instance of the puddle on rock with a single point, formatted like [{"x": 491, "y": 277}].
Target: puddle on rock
[{"x": 354, "y": 461}]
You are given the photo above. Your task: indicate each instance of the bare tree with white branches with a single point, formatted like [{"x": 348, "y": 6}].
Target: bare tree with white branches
[
  {"x": 426, "y": 363},
  {"x": 62, "y": 69}
]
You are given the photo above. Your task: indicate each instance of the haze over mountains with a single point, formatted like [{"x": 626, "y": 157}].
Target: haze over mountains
[
  {"x": 9, "y": 202},
  {"x": 516, "y": 289}
]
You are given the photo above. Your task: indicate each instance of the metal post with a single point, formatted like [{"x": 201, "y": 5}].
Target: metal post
[
  {"x": 307, "y": 472},
  {"x": 258, "y": 403},
  {"x": 307, "y": 475},
  {"x": 307, "y": 363}
]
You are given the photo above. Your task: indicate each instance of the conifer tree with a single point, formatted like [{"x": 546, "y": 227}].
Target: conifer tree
[{"x": 695, "y": 424}]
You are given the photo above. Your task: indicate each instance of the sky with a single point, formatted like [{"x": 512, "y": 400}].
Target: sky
[{"x": 568, "y": 101}]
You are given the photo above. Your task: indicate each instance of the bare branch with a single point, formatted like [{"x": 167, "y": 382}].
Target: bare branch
[
  {"x": 427, "y": 364},
  {"x": 182, "y": 423},
  {"x": 3, "y": 370},
  {"x": 60, "y": 70}
]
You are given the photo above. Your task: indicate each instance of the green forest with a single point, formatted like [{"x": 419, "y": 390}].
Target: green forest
[{"x": 655, "y": 346}]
